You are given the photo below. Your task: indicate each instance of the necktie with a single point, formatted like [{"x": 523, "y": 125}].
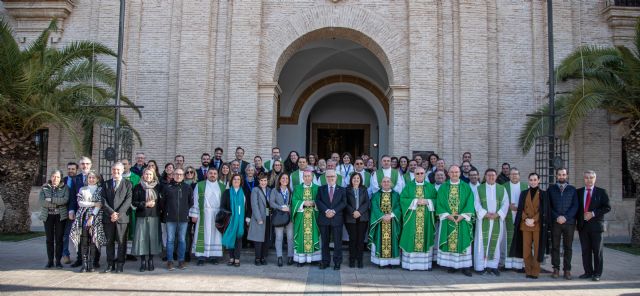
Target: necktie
[
  {"x": 84, "y": 180},
  {"x": 116, "y": 183},
  {"x": 588, "y": 202},
  {"x": 330, "y": 194}
]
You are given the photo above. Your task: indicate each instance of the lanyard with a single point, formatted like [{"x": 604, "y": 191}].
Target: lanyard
[{"x": 347, "y": 169}]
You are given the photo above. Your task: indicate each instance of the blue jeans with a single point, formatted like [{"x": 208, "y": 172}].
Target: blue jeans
[
  {"x": 171, "y": 236},
  {"x": 65, "y": 239}
]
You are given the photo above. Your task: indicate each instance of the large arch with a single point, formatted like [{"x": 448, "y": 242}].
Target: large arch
[{"x": 356, "y": 24}]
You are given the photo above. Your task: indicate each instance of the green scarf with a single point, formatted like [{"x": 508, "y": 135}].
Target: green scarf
[{"x": 236, "y": 225}]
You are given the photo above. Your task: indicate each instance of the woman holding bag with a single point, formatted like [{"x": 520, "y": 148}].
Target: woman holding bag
[{"x": 280, "y": 202}]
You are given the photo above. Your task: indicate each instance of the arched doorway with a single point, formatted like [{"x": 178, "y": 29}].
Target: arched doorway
[{"x": 332, "y": 97}]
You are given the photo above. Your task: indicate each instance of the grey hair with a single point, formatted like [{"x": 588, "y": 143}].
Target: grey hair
[
  {"x": 590, "y": 172},
  {"x": 118, "y": 164}
]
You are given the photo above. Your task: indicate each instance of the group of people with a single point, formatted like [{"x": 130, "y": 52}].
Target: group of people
[{"x": 411, "y": 213}]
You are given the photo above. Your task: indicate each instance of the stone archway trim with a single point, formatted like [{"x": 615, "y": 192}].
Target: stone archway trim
[{"x": 306, "y": 94}]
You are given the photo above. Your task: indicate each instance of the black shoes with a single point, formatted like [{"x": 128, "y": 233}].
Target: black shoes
[
  {"x": 150, "y": 266},
  {"x": 143, "y": 265},
  {"x": 58, "y": 265},
  {"x": 120, "y": 268},
  {"x": 257, "y": 262},
  {"x": 200, "y": 262},
  {"x": 290, "y": 261},
  {"x": 336, "y": 266},
  {"x": 466, "y": 272},
  {"x": 495, "y": 271},
  {"x": 596, "y": 278},
  {"x": 279, "y": 261},
  {"x": 323, "y": 266},
  {"x": 111, "y": 267},
  {"x": 77, "y": 263},
  {"x": 585, "y": 276},
  {"x": 263, "y": 261},
  {"x": 360, "y": 264},
  {"x": 300, "y": 264},
  {"x": 352, "y": 264},
  {"x": 49, "y": 264}
]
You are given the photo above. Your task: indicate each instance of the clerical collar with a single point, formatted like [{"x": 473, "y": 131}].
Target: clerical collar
[
  {"x": 491, "y": 185},
  {"x": 421, "y": 183},
  {"x": 307, "y": 186},
  {"x": 454, "y": 183},
  {"x": 386, "y": 170},
  {"x": 211, "y": 182},
  {"x": 514, "y": 183},
  {"x": 385, "y": 191}
]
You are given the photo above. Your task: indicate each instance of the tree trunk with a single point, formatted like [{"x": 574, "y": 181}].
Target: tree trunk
[
  {"x": 18, "y": 165},
  {"x": 632, "y": 147}
]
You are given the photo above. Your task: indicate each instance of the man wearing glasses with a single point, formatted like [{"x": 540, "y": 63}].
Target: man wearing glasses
[{"x": 331, "y": 201}]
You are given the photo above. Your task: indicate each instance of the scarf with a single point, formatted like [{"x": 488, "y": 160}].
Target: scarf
[
  {"x": 236, "y": 224},
  {"x": 150, "y": 193}
]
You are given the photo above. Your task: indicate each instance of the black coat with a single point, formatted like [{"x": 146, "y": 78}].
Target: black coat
[
  {"x": 363, "y": 207},
  {"x": 177, "y": 199},
  {"x": 338, "y": 205},
  {"x": 544, "y": 220},
  {"x": 599, "y": 205},
  {"x": 225, "y": 202},
  {"x": 140, "y": 200},
  {"x": 117, "y": 201}
]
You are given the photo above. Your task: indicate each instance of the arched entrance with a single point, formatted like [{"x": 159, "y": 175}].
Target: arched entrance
[{"x": 333, "y": 99}]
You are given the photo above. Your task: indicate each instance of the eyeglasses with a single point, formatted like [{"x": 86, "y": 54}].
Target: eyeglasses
[
  {"x": 419, "y": 174},
  {"x": 359, "y": 163},
  {"x": 190, "y": 172}
]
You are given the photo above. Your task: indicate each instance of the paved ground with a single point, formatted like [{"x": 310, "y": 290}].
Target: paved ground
[{"x": 21, "y": 273}]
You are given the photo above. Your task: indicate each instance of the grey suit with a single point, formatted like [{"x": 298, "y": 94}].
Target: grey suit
[
  {"x": 276, "y": 201},
  {"x": 118, "y": 200}
]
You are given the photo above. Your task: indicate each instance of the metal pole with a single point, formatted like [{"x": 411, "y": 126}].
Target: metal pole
[
  {"x": 552, "y": 111},
  {"x": 116, "y": 130}
]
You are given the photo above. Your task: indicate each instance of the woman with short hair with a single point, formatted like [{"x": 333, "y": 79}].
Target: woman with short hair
[{"x": 53, "y": 201}]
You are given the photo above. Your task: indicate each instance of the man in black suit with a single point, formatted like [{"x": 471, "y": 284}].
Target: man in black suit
[
  {"x": 205, "y": 159},
  {"x": 594, "y": 204},
  {"x": 331, "y": 201},
  {"x": 116, "y": 206}
]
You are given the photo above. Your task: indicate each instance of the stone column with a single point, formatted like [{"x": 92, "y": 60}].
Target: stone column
[
  {"x": 398, "y": 96},
  {"x": 268, "y": 97}
]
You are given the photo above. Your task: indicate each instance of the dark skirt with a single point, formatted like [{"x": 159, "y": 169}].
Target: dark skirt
[{"x": 146, "y": 240}]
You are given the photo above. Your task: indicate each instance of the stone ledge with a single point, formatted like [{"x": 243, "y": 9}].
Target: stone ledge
[
  {"x": 32, "y": 17},
  {"x": 622, "y": 21}
]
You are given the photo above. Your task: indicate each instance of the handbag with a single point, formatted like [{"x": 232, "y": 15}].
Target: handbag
[
  {"x": 280, "y": 218},
  {"x": 222, "y": 220}
]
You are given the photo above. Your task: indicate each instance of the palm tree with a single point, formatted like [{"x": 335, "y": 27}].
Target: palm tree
[
  {"x": 608, "y": 79},
  {"x": 41, "y": 87}
]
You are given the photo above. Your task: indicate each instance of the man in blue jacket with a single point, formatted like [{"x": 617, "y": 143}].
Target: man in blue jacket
[{"x": 564, "y": 207}]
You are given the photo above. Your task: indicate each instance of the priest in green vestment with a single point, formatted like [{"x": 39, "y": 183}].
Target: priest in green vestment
[
  {"x": 297, "y": 175},
  {"x": 455, "y": 209},
  {"x": 385, "y": 227},
  {"x": 397, "y": 181},
  {"x": 305, "y": 227},
  {"x": 418, "y": 200},
  {"x": 492, "y": 205},
  {"x": 514, "y": 187},
  {"x": 207, "y": 240}
]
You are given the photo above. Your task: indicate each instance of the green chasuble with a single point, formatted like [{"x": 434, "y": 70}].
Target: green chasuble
[
  {"x": 323, "y": 180},
  {"x": 495, "y": 233},
  {"x": 385, "y": 235},
  {"x": 418, "y": 227},
  {"x": 135, "y": 180},
  {"x": 509, "y": 220},
  {"x": 455, "y": 199},
  {"x": 367, "y": 178},
  {"x": 305, "y": 227}
]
